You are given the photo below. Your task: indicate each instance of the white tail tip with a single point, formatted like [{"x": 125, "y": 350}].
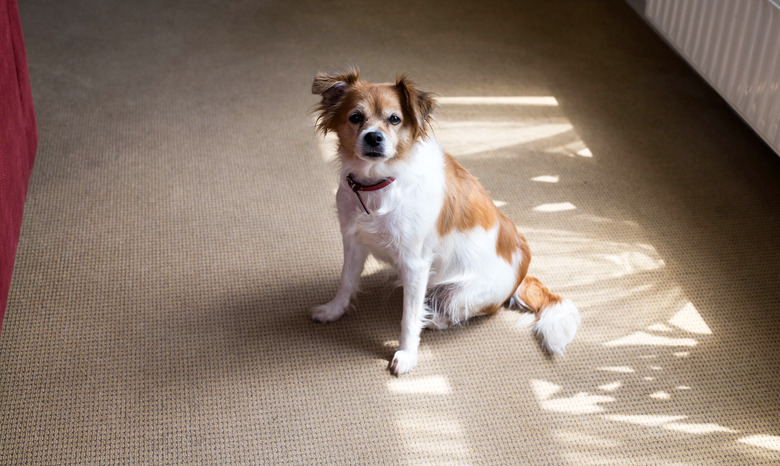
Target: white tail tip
[
  {"x": 526, "y": 320},
  {"x": 557, "y": 325}
]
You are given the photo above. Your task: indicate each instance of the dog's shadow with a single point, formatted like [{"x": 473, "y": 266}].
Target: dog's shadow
[
  {"x": 374, "y": 321},
  {"x": 250, "y": 326}
]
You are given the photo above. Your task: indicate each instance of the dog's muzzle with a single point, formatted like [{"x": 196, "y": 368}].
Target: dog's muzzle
[{"x": 373, "y": 144}]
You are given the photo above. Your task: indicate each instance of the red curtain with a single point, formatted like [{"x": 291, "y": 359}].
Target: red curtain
[{"x": 18, "y": 140}]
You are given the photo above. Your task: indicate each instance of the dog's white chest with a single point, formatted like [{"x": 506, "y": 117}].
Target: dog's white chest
[
  {"x": 401, "y": 219},
  {"x": 393, "y": 219}
]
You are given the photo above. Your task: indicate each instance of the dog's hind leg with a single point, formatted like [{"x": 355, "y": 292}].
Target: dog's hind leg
[
  {"x": 437, "y": 321},
  {"x": 436, "y": 310}
]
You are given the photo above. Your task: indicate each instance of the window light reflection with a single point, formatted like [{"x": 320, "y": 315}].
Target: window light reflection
[
  {"x": 469, "y": 137},
  {"x": 611, "y": 387},
  {"x": 427, "y": 433},
  {"x": 689, "y": 319},
  {"x": 581, "y": 403},
  {"x": 546, "y": 179},
  {"x": 547, "y": 100},
  {"x": 619, "y": 369},
  {"x": 707, "y": 428},
  {"x": 644, "y": 338},
  {"x": 770, "y": 442},
  {"x": 660, "y": 395},
  {"x": 555, "y": 207},
  {"x": 660, "y": 328},
  {"x": 644, "y": 419},
  {"x": 435, "y": 385}
]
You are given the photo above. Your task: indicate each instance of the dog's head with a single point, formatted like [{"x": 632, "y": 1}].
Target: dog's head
[{"x": 374, "y": 122}]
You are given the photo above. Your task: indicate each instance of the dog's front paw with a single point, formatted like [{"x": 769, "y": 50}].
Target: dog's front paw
[
  {"x": 403, "y": 362},
  {"x": 327, "y": 313}
]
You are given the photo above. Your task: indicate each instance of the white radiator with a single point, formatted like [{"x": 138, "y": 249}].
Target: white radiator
[{"x": 733, "y": 44}]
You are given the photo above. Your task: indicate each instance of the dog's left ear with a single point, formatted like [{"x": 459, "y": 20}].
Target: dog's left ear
[{"x": 417, "y": 105}]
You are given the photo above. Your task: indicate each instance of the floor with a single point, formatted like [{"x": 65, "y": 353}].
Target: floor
[{"x": 180, "y": 225}]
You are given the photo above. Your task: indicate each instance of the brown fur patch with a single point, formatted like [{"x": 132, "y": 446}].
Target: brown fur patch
[
  {"x": 333, "y": 88},
  {"x": 536, "y": 296},
  {"x": 525, "y": 261},
  {"x": 508, "y": 238},
  {"x": 417, "y": 106},
  {"x": 512, "y": 236},
  {"x": 466, "y": 203}
]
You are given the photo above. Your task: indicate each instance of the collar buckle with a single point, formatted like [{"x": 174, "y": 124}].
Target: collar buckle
[{"x": 357, "y": 187}]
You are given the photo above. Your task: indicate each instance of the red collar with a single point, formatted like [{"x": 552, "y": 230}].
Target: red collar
[{"x": 357, "y": 187}]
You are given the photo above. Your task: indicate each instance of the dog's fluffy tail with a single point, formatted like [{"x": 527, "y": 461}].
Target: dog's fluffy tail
[{"x": 555, "y": 320}]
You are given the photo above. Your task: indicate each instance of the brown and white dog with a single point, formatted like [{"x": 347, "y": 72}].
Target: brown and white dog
[{"x": 405, "y": 201}]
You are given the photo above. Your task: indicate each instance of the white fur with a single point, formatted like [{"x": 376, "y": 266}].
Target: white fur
[{"x": 557, "y": 325}]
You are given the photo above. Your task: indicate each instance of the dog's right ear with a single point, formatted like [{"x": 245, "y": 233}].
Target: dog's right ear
[{"x": 332, "y": 88}]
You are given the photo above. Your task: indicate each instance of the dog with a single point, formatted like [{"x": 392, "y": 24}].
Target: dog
[{"x": 402, "y": 199}]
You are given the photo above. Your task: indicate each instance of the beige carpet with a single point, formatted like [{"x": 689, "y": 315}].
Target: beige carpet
[{"x": 180, "y": 224}]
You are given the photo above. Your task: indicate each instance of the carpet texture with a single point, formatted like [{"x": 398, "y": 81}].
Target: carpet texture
[{"x": 180, "y": 224}]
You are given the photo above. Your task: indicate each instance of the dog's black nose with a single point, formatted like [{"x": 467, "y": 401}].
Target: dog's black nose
[{"x": 374, "y": 138}]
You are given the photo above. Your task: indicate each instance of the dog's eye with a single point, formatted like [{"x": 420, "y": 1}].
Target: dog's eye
[
  {"x": 356, "y": 118},
  {"x": 394, "y": 119}
]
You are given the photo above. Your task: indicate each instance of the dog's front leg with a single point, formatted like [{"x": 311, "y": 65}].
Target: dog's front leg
[
  {"x": 354, "y": 259},
  {"x": 414, "y": 277}
]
